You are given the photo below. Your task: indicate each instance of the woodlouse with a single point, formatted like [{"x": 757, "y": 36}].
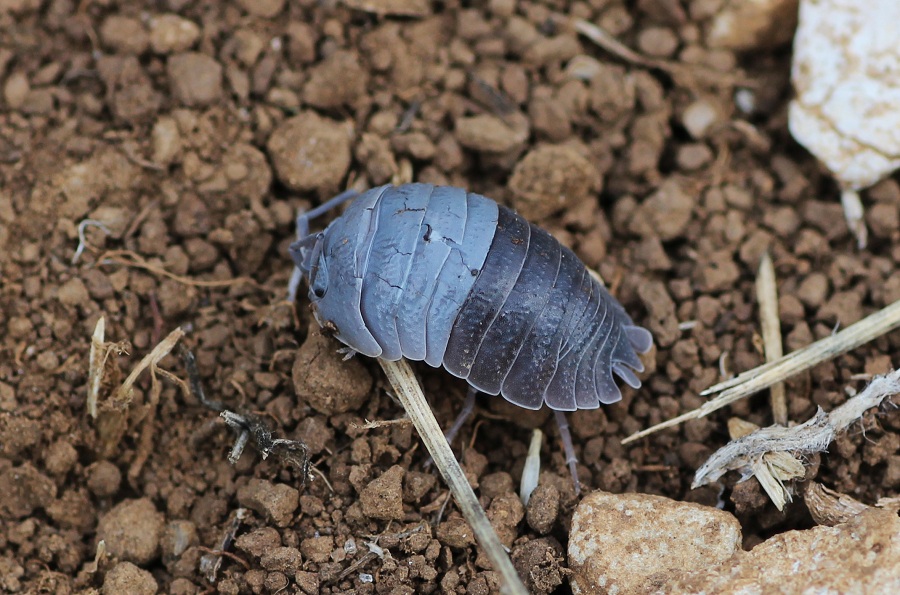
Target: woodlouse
[{"x": 452, "y": 278}]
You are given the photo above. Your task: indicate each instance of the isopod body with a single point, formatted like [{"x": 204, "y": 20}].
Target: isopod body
[{"x": 452, "y": 278}]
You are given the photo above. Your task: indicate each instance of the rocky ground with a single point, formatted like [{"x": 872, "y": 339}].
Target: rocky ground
[{"x": 194, "y": 131}]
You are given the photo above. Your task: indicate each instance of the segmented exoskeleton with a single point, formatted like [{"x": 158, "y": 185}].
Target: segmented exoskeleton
[{"x": 452, "y": 278}]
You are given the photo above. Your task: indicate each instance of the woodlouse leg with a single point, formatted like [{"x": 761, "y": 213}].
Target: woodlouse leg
[
  {"x": 568, "y": 447},
  {"x": 464, "y": 414},
  {"x": 303, "y": 236}
]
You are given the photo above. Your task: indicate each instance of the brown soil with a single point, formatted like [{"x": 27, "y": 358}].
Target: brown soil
[{"x": 195, "y": 134}]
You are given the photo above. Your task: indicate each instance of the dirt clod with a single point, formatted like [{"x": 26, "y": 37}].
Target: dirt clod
[
  {"x": 542, "y": 509},
  {"x": 23, "y": 490},
  {"x": 310, "y": 152},
  {"x": 195, "y": 78},
  {"x": 132, "y": 531},
  {"x": 275, "y": 501},
  {"x": 382, "y": 497},
  {"x": 326, "y": 382},
  {"x": 125, "y": 577},
  {"x": 550, "y": 179}
]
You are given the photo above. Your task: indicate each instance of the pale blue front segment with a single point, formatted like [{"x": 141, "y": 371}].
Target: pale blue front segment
[
  {"x": 400, "y": 263},
  {"x": 343, "y": 257},
  {"x": 444, "y": 224}
]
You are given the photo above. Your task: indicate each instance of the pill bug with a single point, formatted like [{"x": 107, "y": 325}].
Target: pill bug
[{"x": 449, "y": 277}]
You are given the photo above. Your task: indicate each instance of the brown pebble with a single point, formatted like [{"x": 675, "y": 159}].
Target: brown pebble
[
  {"x": 259, "y": 541},
  {"x": 490, "y": 134},
  {"x": 718, "y": 272},
  {"x": 666, "y": 213},
  {"x": 632, "y": 543},
  {"x": 310, "y": 152},
  {"x": 540, "y": 562},
  {"x": 662, "y": 320},
  {"x": 262, "y": 8},
  {"x": 104, "y": 479},
  {"x": 60, "y": 457},
  {"x": 542, "y": 509},
  {"x": 276, "y": 501},
  {"x": 172, "y": 34},
  {"x": 844, "y": 307},
  {"x": 813, "y": 290},
  {"x": 693, "y": 156},
  {"x": 282, "y": 559},
  {"x": 73, "y": 293},
  {"x": 16, "y": 90},
  {"x": 326, "y": 382},
  {"x": 551, "y": 178},
  {"x": 883, "y": 219},
  {"x": 382, "y": 498},
  {"x": 125, "y": 577},
  {"x": 23, "y": 490},
  {"x": 455, "y": 532},
  {"x": 317, "y": 549},
  {"x": 659, "y": 42},
  {"x": 416, "y": 484},
  {"x": 338, "y": 80},
  {"x": 124, "y": 35},
  {"x": 195, "y": 78},
  {"x": 132, "y": 530}
]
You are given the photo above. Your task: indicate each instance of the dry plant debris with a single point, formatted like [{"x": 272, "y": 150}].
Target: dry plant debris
[
  {"x": 768, "y": 374},
  {"x": 774, "y": 454}
]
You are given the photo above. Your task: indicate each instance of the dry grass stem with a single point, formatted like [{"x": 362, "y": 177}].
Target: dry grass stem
[
  {"x": 780, "y": 450},
  {"x": 531, "y": 473},
  {"x": 407, "y": 388},
  {"x": 767, "y": 296},
  {"x": 134, "y": 260},
  {"x": 687, "y": 75},
  {"x": 764, "y": 376}
]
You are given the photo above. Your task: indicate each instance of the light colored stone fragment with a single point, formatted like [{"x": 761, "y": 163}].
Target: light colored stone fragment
[
  {"x": 846, "y": 73},
  {"x": 637, "y": 543},
  {"x": 859, "y": 556}
]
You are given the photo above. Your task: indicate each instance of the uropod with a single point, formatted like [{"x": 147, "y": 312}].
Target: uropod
[{"x": 450, "y": 277}]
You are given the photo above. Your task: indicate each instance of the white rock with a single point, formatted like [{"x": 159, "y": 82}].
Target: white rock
[
  {"x": 846, "y": 73},
  {"x": 633, "y": 543},
  {"x": 859, "y": 556}
]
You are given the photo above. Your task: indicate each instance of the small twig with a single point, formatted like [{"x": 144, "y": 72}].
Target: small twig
[
  {"x": 374, "y": 425},
  {"x": 810, "y": 437},
  {"x": 365, "y": 559},
  {"x": 767, "y": 296},
  {"x": 212, "y": 561},
  {"x": 688, "y": 75},
  {"x": 249, "y": 427},
  {"x": 764, "y": 376},
  {"x": 128, "y": 149},
  {"x": 82, "y": 240},
  {"x": 230, "y": 555},
  {"x": 131, "y": 259},
  {"x": 404, "y": 382}
]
